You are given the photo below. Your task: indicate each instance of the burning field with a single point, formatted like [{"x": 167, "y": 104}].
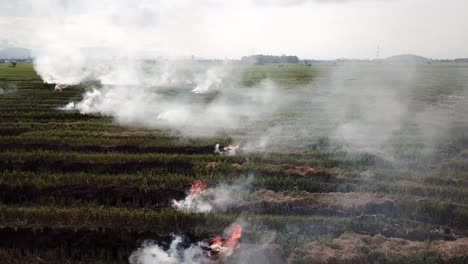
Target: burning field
[
  {"x": 282, "y": 166},
  {"x": 210, "y": 250}
]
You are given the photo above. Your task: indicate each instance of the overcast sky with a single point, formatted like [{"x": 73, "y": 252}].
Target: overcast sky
[{"x": 321, "y": 29}]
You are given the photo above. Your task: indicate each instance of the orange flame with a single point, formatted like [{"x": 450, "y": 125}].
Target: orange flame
[
  {"x": 233, "y": 240},
  {"x": 217, "y": 240},
  {"x": 231, "y": 147},
  {"x": 219, "y": 247},
  {"x": 198, "y": 187}
]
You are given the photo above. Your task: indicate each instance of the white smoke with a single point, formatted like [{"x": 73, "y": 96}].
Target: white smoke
[
  {"x": 151, "y": 253},
  {"x": 182, "y": 110},
  {"x": 375, "y": 108},
  {"x": 7, "y": 88},
  {"x": 261, "y": 252},
  {"x": 219, "y": 198},
  {"x": 212, "y": 79},
  {"x": 68, "y": 107},
  {"x": 367, "y": 108},
  {"x": 136, "y": 52},
  {"x": 364, "y": 108}
]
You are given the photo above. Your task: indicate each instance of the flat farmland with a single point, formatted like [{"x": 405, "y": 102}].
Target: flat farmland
[{"x": 84, "y": 188}]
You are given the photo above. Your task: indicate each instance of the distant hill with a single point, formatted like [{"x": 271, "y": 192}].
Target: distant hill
[
  {"x": 407, "y": 58},
  {"x": 15, "y": 53}
]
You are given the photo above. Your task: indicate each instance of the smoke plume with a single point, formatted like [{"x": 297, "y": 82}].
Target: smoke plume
[
  {"x": 219, "y": 198},
  {"x": 151, "y": 253},
  {"x": 180, "y": 252}
]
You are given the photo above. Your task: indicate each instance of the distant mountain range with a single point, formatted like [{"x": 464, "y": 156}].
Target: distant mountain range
[{"x": 15, "y": 53}]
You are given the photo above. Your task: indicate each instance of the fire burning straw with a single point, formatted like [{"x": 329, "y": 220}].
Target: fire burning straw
[
  {"x": 207, "y": 251},
  {"x": 229, "y": 150},
  {"x": 202, "y": 199}
]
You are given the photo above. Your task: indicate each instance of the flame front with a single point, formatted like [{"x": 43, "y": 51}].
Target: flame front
[
  {"x": 217, "y": 248},
  {"x": 231, "y": 147},
  {"x": 198, "y": 187},
  {"x": 233, "y": 240}
]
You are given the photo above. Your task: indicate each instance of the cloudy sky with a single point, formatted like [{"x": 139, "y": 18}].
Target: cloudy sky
[{"x": 321, "y": 29}]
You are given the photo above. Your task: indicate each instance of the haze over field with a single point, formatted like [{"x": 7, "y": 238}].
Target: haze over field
[{"x": 74, "y": 42}]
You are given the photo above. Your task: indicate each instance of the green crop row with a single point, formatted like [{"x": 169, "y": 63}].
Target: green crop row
[{"x": 166, "y": 221}]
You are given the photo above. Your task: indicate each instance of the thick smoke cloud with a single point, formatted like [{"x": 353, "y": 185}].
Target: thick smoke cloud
[
  {"x": 362, "y": 108},
  {"x": 184, "y": 108}
]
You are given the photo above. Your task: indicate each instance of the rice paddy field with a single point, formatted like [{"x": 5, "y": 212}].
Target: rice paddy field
[{"x": 81, "y": 188}]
